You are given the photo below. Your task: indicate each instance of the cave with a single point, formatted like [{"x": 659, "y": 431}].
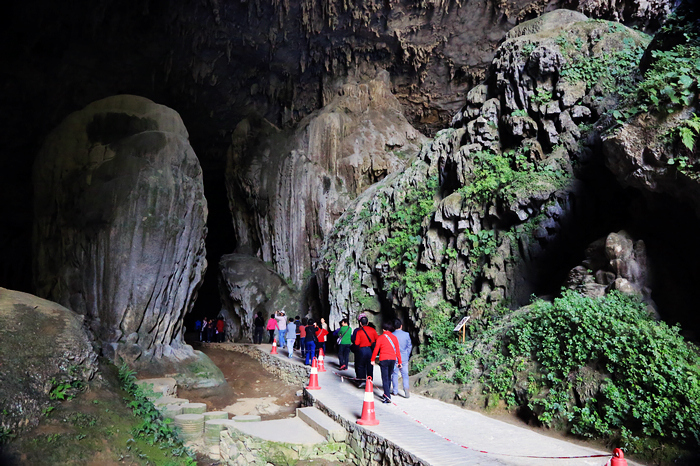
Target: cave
[{"x": 162, "y": 162}]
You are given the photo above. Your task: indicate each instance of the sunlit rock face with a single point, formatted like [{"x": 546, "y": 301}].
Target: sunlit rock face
[
  {"x": 286, "y": 189},
  {"x": 119, "y": 224},
  {"x": 477, "y": 246}
]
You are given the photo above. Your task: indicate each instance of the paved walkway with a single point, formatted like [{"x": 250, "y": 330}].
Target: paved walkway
[{"x": 489, "y": 441}]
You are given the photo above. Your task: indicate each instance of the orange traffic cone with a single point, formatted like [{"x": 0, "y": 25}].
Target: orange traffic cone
[
  {"x": 618, "y": 458},
  {"x": 321, "y": 366},
  {"x": 274, "y": 346},
  {"x": 368, "y": 418},
  {"x": 313, "y": 378}
]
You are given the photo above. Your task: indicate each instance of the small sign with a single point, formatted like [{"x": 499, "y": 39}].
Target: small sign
[{"x": 461, "y": 323}]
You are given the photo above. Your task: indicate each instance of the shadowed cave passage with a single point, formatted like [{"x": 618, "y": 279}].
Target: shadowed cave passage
[{"x": 220, "y": 240}]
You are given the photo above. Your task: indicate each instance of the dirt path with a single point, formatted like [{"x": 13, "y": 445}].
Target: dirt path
[{"x": 250, "y": 390}]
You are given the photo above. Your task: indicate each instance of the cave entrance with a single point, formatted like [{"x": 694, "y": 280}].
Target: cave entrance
[
  {"x": 668, "y": 228},
  {"x": 220, "y": 240}
]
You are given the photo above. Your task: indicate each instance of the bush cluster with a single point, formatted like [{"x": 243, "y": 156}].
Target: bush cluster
[{"x": 651, "y": 376}]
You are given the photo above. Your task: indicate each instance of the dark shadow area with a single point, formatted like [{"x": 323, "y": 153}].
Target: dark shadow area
[{"x": 220, "y": 240}]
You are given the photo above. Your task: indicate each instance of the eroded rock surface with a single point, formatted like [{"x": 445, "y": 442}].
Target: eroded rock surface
[
  {"x": 616, "y": 262},
  {"x": 249, "y": 286},
  {"x": 286, "y": 189},
  {"x": 502, "y": 202},
  {"x": 42, "y": 345},
  {"x": 120, "y": 224}
]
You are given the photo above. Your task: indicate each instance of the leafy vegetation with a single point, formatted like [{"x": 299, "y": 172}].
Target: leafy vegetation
[
  {"x": 651, "y": 384},
  {"x": 672, "y": 79},
  {"x": 508, "y": 176},
  {"x": 152, "y": 427}
]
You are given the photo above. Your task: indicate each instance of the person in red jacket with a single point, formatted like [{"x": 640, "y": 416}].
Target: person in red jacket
[
  {"x": 321, "y": 335},
  {"x": 220, "y": 330},
  {"x": 389, "y": 354},
  {"x": 364, "y": 338}
]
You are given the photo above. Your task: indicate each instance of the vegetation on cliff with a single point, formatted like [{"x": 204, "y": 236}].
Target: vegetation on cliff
[{"x": 455, "y": 233}]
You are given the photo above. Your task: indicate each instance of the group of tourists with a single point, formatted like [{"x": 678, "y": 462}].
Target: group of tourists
[
  {"x": 393, "y": 346},
  {"x": 211, "y": 330}
]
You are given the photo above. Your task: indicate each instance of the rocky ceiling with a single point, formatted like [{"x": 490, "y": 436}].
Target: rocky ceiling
[{"x": 216, "y": 61}]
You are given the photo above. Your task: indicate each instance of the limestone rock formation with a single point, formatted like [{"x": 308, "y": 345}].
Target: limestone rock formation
[
  {"x": 616, "y": 262},
  {"x": 42, "y": 345},
  {"x": 120, "y": 224},
  {"x": 498, "y": 195},
  {"x": 249, "y": 286},
  {"x": 286, "y": 189}
]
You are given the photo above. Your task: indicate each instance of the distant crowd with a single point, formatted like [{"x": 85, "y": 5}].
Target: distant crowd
[{"x": 211, "y": 330}]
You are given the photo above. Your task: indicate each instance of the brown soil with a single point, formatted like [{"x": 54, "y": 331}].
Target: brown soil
[{"x": 246, "y": 380}]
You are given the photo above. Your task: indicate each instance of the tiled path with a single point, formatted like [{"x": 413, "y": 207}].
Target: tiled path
[{"x": 506, "y": 444}]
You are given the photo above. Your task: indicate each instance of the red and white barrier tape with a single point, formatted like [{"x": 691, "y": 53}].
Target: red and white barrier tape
[{"x": 483, "y": 451}]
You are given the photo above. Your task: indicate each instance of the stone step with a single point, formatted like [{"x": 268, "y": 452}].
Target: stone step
[
  {"x": 327, "y": 427},
  {"x": 164, "y": 386}
]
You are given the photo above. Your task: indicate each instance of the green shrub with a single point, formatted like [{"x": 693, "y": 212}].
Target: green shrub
[
  {"x": 672, "y": 79},
  {"x": 650, "y": 383},
  {"x": 152, "y": 428}
]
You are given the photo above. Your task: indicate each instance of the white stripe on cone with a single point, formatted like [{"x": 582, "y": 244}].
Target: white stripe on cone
[
  {"x": 369, "y": 396},
  {"x": 314, "y": 370}
]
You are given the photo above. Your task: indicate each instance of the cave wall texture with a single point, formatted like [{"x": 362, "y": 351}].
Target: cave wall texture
[{"x": 215, "y": 62}]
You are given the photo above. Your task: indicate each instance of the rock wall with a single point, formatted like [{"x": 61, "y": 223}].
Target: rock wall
[
  {"x": 502, "y": 194},
  {"x": 119, "y": 225},
  {"x": 249, "y": 286},
  {"x": 286, "y": 189},
  {"x": 42, "y": 345}
]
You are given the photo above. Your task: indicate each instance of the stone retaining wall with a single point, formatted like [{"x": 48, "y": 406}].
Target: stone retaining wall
[
  {"x": 287, "y": 371},
  {"x": 239, "y": 449},
  {"x": 369, "y": 448}
]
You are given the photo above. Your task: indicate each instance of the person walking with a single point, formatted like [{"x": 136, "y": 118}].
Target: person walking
[
  {"x": 281, "y": 328},
  {"x": 321, "y": 334},
  {"x": 364, "y": 337},
  {"x": 198, "y": 328},
  {"x": 388, "y": 350},
  {"x": 271, "y": 327},
  {"x": 405, "y": 348},
  {"x": 297, "y": 332},
  {"x": 203, "y": 330},
  {"x": 211, "y": 326},
  {"x": 291, "y": 328},
  {"x": 310, "y": 341},
  {"x": 302, "y": 336},
  {"x": 220, "y": 326},
  {"x": 344, "y": 344},
  {"x": 259, "y": 324}
]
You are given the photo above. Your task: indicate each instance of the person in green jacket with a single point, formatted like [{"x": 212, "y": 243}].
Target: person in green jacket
[{"x": 344, "y": 343}]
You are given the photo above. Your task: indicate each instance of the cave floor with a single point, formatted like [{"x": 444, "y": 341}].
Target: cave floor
[{"x": 250, "y": 390}]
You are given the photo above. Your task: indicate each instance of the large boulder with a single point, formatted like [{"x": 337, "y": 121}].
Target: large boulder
[
  {"x": 119, "y": 225},
  {"x": 44, "y": 350},
  {"x": 249, "y": 286},
  {"x": 286, "y": 189}
]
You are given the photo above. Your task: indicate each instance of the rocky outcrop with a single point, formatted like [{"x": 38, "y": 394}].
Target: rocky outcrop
[
  {"x": 120, "y": 224},
  {"x": 249, "y": 286},
  {"x": 45, "y": 353},
  {"x": 498, "y": 196},
  {"x": 642, "y": 13},
  {"x": 641, "y": 154},
  {"x": 286, "y": 189},
  {"x": 616, "y": 262}
]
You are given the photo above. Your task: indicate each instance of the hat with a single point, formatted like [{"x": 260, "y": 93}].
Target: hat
[
  {"x": 282, "y": 313},
  {"x": 361, "y": 316}
]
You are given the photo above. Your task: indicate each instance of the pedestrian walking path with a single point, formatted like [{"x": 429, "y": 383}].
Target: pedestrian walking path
[{"x": 443, "y": 434}]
